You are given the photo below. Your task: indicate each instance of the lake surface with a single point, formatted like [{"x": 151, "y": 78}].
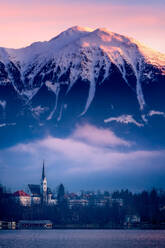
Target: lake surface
[{"x": 82, "y": 238}]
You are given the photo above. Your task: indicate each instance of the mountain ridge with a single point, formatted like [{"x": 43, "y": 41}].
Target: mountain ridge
[{"x": 96, "y": 74}]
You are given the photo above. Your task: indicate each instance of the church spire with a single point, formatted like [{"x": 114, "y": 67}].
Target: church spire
[
  {"x": 43, "y": 170},
  {"x": 43, "y": 185}
]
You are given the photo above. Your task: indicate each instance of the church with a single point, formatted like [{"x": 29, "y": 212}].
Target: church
[{"x": 41, "y": 193}]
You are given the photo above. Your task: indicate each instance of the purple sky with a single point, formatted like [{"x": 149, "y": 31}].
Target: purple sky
[{"x": 25, "y": 21}]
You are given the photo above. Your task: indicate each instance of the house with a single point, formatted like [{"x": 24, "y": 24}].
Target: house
[
  {"x": 132, "y": 219},
  {"x": 77, "y": 203},
  {"x": 7, "y": 225},
  {"x": 22, "y": 198},
  {"x": 35, "y": 224}
]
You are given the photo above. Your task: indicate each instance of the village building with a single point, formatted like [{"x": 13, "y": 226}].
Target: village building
[
  {"x": 35, "y": 224},
  {"x": 22, "y": 198},
  {"x": 132, "y": 219}
]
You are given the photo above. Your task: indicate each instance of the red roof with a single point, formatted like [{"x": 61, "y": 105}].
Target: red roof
[{"x": 20, "y": 193}]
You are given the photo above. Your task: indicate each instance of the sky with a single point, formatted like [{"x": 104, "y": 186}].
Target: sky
[
  {"x": 25, "y": 21},
  {"x": 90, "y": 158}
]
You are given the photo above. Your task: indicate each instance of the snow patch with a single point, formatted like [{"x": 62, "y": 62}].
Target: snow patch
[
  {"x": 7, "y": 124},
  {"x": 126, "y": 119},
  {"x": 3, "y": 104},
  {"x": 139, "y": 92},
  {"x": 92, "y": 89},
  {"x": 52, "y": 87},
  {"x": 154, "y": 112},
  {"x": 55, "y": 88},
  {"x": 37, "y": 111},
  {"x": 144, "y": 118},
  {"x": 30, "y": 93},
  {"x": 60, "y": 114}
]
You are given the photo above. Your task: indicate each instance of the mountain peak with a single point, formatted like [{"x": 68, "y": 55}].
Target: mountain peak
[
  {"x": 115, "y": 45},
  {"x": 81, "y": 29},
  {"x": 73, "y": 31},
  {"x": 103, "y": 30}
]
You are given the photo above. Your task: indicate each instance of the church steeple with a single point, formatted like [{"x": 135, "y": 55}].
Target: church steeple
[
  {"x": 43, "y": 170},
  {"x": 43, "y": 185}
]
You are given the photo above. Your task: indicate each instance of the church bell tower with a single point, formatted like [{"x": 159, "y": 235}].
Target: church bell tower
[{"x": 43, "y": 185}]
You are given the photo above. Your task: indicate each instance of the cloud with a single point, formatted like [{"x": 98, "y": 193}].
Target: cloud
[
  {"x": 86, "y": 151},
  {"x": 98, "y": 136},
  {"x": 86, "y": 158}
]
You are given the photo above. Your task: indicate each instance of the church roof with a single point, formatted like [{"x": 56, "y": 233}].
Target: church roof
[{"x": 34, "y": 189}]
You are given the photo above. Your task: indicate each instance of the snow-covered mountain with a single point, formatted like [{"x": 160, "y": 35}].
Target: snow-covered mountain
[{"x": 82, "y": 74}]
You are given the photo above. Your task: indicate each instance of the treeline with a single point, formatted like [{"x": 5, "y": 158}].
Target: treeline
[{"x": 149, "y": 206}]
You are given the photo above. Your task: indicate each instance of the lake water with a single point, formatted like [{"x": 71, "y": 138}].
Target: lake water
[{"x": 82, "y": 239}]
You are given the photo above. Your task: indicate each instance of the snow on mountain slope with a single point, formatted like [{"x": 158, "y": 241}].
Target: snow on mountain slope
[
  {"x": 124, "y": 119},
  {"x": 79, "y": 53}
]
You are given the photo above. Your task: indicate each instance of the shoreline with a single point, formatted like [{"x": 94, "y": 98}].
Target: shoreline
[{"x": 95, "y": 227}]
